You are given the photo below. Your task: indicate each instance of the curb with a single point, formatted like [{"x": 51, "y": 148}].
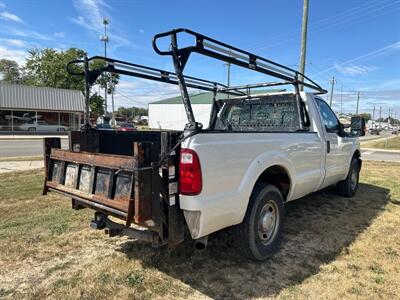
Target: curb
[
  {"x": 380, "y": 150},
  {"x": 29, "y": 137},
  {"x": 21, "y": 158}
]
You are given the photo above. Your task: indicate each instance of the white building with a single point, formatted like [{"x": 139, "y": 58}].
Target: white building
[{"x": 170, "y": 113}]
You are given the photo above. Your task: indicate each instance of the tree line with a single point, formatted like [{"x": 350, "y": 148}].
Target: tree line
[{"x": 47, "y": 68}]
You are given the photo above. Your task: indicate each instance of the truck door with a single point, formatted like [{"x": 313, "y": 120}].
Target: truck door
[{"x": 335, "y": 161}]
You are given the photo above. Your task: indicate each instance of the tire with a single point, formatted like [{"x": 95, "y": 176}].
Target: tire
[
  {"x": 349, "y": 186},
  {"x": 258, "y": 236},
  {"x": 32, "y": 129}
]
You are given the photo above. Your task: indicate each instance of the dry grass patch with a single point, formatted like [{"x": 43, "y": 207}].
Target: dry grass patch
[
  {"x": 390, "y": 143},
  {"x": 333, "y": 247}
]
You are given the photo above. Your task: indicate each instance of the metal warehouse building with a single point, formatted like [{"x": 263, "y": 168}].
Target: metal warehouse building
[{"x": 42, "y": 109}]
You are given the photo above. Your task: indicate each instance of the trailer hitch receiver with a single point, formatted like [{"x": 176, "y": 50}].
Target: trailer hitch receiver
[{"x": 99, "y": 221}]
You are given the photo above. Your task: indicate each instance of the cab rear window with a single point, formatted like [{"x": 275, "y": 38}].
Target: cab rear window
[{"x": 267, "y": 113}]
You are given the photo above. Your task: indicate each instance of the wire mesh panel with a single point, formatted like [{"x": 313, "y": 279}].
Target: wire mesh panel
[{"x": 266, "y": 113}]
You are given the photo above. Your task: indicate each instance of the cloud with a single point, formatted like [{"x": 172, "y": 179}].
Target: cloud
[
  {"x": 140, "y": 92},
  {"x": 2, "y": 5},
  {"x": 5, "y": 15},
  {"x": 365, "y": 57},
  {"x": 59, "y": 34},
  {"x": 13, "y": 54},
  {"x": 26, "y": 33},
  {"x": 354, "y": 69},
  {"x": 377, "y": 96},
  {"x": 15, "y": 43},
  {"x": 91, "y": 14}
]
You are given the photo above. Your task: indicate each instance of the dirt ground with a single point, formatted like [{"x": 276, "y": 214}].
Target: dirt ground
[{"x": 333, "y": 248}]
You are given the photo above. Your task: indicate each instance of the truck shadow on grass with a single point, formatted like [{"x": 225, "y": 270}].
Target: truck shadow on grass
[{"x": 318, "y": 228}]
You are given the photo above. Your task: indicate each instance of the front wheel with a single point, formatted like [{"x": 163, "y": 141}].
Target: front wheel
[
  {"x": 349, "y": 186},
  {"x": 257, "y": 237}
]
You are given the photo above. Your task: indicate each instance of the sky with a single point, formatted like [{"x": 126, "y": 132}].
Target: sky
[{"x": 357, "y": 42}]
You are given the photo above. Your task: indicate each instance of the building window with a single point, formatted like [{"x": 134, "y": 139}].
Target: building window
[{"x": 5, "y": 120}]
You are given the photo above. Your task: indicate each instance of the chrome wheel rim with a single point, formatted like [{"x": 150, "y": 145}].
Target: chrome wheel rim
[
  {"x": 267, "y": 222},
  {"x": 354, "y": 179}
]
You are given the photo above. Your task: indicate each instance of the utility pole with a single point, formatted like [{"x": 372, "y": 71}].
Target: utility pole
[
  {"x": 228, "y": 74},
  {"x": 303, "y": 42},
  {"x": 332, "y": 82},
  {"x": 341, "y": 99},
  {"x": 358, "y": 100},
  {"x": 112, "y": 87},
  {"x": 389, "y": 117},
  {"x": 104, "y": 38},
  {"x": 373, "y": 117}
]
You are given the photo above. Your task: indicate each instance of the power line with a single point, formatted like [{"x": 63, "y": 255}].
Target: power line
[
  {"x": 312, "y": 25},
  {"x": 332, "y": 24}
]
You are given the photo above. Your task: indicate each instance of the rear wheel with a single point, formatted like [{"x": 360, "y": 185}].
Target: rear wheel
[
  {"x": 349, "y": 186},
  {"x": 257, "y": 237}
]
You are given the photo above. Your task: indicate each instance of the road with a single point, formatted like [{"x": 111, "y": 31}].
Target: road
[
  {"x": 380, "y": 155},
  {"x": 15, "y": 148}
]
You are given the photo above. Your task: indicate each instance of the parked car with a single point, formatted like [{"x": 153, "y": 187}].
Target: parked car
[
  {"x": 395, "y": 131},
  {"x": 127, "y": 127},
  {"x": 25, "y": 118},
  {"x": 103, "y": 127},
  {"x": 42, "y": 126},
  {"x": 374, "y": 131}
]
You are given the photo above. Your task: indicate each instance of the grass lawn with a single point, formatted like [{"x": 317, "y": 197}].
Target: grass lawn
[
  {"x": 333, "y": 248},
  {"x": 390, "y": 143}
]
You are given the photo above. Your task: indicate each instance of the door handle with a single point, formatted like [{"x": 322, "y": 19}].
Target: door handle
[{"x": 328, "y": 146}]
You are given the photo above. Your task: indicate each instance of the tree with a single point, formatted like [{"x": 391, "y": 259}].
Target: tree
[
  {"x": 47, "y": 67},
  {"x": 131, "y": 111},
  {"x": 366, "y": 116},
  {"x": 10, "y": 71},
  {"x": 96, "y": 103}
]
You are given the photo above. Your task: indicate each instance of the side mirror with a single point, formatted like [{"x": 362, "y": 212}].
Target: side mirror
[{"x": 358, "y": 126}]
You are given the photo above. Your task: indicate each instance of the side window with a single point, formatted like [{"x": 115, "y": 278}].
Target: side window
[{"x": 328, "y": 116}]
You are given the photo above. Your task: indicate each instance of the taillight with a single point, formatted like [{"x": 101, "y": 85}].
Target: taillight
[{"x": 190, "y": 181}]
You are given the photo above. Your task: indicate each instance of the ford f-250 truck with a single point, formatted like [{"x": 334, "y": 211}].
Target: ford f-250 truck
[{"x": 259, "y": 151}]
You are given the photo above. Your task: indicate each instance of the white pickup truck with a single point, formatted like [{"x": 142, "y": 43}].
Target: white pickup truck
[
  {"x": 260, "y": 150},
  {"x": 243, "y": 177}
]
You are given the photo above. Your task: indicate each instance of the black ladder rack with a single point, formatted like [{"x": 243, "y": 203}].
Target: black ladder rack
[
  {"x": 141, "y": 71},
  {"x": 210, "y": 47},
  {"x": 213, "y": 48}
]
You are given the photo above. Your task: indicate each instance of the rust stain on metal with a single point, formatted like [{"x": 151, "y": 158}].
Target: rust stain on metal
[
  {"x": 118, "y": 162},
  {"x": 121, "y": 205}
]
